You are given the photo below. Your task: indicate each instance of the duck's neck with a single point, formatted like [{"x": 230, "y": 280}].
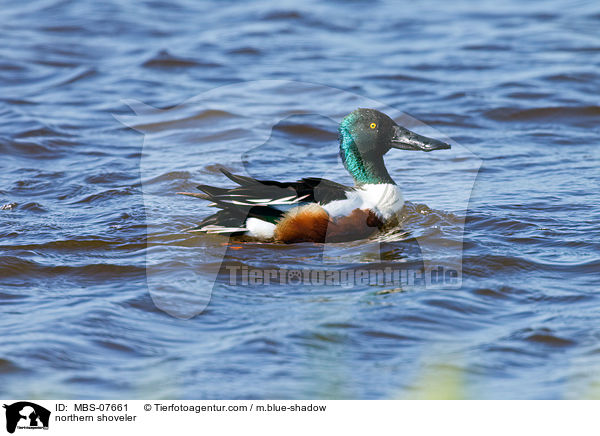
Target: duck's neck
[{"x": 364, "y": 169}]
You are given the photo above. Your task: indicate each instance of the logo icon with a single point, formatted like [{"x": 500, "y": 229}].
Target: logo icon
[
  {"x": 26, "y": 415},
  {"x": 182, "y": 273}
]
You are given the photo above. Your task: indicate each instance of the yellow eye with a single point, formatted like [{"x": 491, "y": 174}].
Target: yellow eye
[{"x": 373, "y": 125}]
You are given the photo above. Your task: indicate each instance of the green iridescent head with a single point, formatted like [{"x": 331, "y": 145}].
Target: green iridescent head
[{"x": 366, "y": 135}]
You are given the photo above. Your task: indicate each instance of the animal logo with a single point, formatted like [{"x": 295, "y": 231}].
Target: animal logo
[{"x": 25, "y": 414}]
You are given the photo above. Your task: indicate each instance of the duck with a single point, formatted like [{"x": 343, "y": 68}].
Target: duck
[{"x": 315, "y": 209}]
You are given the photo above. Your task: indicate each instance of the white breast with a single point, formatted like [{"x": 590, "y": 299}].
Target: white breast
[{"x": 384, "y": 199}]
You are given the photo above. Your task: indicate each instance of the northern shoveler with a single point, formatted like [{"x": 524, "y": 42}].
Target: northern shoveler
[{"x": 315, "y": 209}]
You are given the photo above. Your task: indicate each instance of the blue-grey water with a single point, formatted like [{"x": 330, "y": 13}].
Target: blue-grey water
[{"x": 89, "y": 175}]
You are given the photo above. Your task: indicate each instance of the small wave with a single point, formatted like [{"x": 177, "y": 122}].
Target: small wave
[
  {"x": 302, "y": 18},
  {"x": 561, "y": 114},
  {"x": 502, "y": 292},
  {"x": 573, "y": 77},
  {"x": 399, "y": 78},
  {"x": 164, "y": 59},
  {"x": 169, "y": 176},
  {"x": 108, "y": 178},
  {"x": 421, "y": 214},
  {"x": 81, "y": 74},
  {"x": 489, "y": 223},
  {"x": 88, "y": 245},
  {"x": 306, "y": 130},
  {"x": 282, "y": 15},
  {"x": 486, "y": 265},
  {"x": 543, "y": 336},
  {"x": 448, "y": 119},
  {"x": 33, "y": 207},
  {"x": 172, "y": 118},
  {"x": 33, "y": 187},
  {"x": 528, "y": 95},
  {"x": 105, "y": 195},
  {"x": 11, "y": 266},
  {"x": 65, "y": 28},
  {"x": 487, "y": 47},
  {"x": 27, "y": 149},
  {"x": 43, "y": 131},
  {"x": 8, "y": 367},
  {"x": 251, "y": 51}
]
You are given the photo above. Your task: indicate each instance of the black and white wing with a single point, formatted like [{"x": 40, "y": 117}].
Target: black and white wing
[{"x": 265, "y": 200}]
